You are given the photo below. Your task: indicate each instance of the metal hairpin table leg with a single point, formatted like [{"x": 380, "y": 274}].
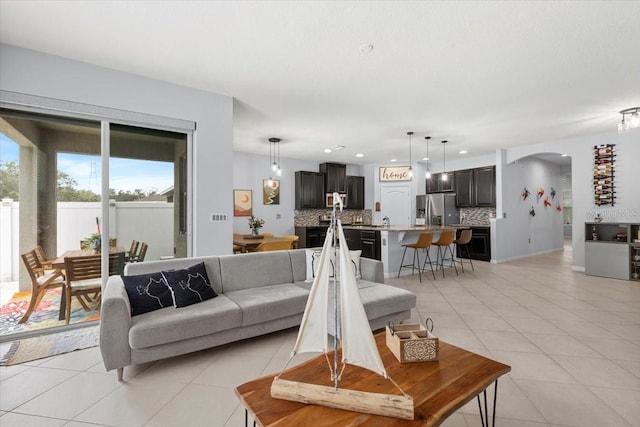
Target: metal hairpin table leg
[{"x": 484, "y": 415}]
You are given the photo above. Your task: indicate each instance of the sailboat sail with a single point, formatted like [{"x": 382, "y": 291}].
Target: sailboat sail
[
  {"x": 358, "y": 345},
  {"x": 312, "y": 336}
]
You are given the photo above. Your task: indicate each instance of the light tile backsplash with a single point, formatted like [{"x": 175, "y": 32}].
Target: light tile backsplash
[
  {"x": 305, "y": 217},
  {"x": 476, "y": 216}
]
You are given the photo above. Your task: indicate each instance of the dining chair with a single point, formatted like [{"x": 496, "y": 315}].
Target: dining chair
[
  {"x": 278, "y": 245},
  {"x": 293, "y": 238},
  {"x": 45, "y": 261},
  {"x": 143, "y": 252},
  {"x": 266, "y": 234},
  {"x": 133, "y": 251},
  {"x": 444, "y": 243},
  {"x": 84, "y": 277},
  {"x": 461, "y": 243},
  {"x": 41, "y": 281}
]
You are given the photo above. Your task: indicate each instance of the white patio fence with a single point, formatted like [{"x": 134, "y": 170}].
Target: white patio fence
[{"x": 149, "y": 222}]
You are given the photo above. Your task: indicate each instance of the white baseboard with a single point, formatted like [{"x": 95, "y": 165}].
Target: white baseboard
[
  {"x": 499, "y": 261},
  {"x": 577, "y": 268}
]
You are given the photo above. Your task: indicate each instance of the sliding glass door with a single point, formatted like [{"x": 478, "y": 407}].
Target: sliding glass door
[{"x": 63, "y": 188}]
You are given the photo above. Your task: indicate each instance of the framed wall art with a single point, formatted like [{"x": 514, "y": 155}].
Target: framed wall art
[
  {"x": 271, "y": 191},
  {"x": 242, "y": 203}
]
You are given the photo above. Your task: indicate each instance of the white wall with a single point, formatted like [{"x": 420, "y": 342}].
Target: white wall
[
  {"x": 249, "y": 170},
  {"x": 519, "y": 234},
  {"x": 627, "y": 177},
  {"x": 34, "y": 73}
]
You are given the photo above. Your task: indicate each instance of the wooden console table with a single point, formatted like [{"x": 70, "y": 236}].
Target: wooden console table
[{"x": 438, "y": 389}]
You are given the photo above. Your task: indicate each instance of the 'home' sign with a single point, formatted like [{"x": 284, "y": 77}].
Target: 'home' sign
[{"x": 394, "y": 173}]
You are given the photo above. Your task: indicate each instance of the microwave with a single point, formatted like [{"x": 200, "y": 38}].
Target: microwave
[{"x": 329, "y": 199}]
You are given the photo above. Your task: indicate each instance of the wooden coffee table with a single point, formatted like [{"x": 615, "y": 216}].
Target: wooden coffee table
[{"x": 438, "y": 389}]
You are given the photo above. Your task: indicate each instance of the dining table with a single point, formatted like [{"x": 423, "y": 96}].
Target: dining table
[
  {"x": 249, "y": 243},
  {"x": 58, "y": 264}
]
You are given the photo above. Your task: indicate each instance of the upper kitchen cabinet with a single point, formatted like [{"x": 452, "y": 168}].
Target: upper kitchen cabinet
[
  {"x": 309, "y": 190},
  {"x": 435, "y": 184},
  {"x": 476, "y": 187},
  {"x": 485, "y": 186},
  {"x": 355, "y": 192},
  {"x": 335, "y": 177},
  {"x": 464, "y": 188}
]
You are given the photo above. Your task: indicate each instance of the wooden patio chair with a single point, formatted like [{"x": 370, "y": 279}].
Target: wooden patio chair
[
  {"x": 41, "y": 281},
  {"x": 45, "y": 261},
  {"x": 84, "y": 277},
  {"x": 142, "y": 254},
  {"x": 133, "y": 251}
]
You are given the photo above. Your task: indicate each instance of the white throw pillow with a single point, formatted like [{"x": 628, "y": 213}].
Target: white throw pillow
[{"x": 313, "y": 259}]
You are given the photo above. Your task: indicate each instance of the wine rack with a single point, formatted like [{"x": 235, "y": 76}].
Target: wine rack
[{"x": 603, "y": 174}]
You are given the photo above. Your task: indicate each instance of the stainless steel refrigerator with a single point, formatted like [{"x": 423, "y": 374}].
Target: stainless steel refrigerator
[{"x": 438, "y": 209}]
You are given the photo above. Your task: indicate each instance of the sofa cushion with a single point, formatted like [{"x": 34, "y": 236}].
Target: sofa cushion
[
  {"x": 147, "y": 292},
  {"x": 190, "y": 285},
  {"x": 176, "y": 324},
  {"x": 254, "y": 270},
  {"x": 313, "y": 259},
  {"x": 269, "y": 302},
  {"x": 212, "y": 264}
]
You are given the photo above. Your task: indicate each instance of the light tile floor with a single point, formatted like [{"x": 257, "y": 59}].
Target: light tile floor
[{"x": 573, "y": 342}]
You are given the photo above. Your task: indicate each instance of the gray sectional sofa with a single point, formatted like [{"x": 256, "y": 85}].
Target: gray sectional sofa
[{"x": 258, "y": 293}]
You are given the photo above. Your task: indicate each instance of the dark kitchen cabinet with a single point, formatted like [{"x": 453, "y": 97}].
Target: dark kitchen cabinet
[
  {"x": 309, "y": 188},
  {"x": 335, "y": 175},
  {"x": 311, "y": 236},
  {"x": 370, "y": 244},
  {"x": 435, "y": 184},
  {"x": 355, "y": 192},
  {"x": 464, "y": 188},
  {"x": 485, "y": 186},
  {"x": 353, "y": 239},
  {"x": 480, "y": 244},
  {"x": 476, "y": 187}
]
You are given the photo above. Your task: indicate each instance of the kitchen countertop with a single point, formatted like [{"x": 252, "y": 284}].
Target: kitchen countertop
[{"x": 400, "y": 228}]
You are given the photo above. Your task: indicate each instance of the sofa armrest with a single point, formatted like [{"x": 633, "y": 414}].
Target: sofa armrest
[
  {"x": 115, "y": 322},
  {"x": 371, "y": 270}
]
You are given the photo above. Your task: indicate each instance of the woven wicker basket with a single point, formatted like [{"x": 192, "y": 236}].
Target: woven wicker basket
[{"x": 412, "y": 342}]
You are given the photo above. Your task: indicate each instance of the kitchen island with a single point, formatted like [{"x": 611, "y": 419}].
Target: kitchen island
[{"x": 393, "y": 237}]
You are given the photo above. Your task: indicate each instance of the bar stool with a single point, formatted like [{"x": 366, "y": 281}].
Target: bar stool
[
  {"x": 463, "y": 242},
  {"x": 424, "y": 242},
  {"x": 446, "y": 239}
]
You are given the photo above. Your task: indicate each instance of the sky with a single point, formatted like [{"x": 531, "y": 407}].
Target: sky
[{"x": 125, "y": 174}]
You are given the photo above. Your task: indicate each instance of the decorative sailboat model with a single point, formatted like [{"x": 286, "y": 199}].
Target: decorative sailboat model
[{"x": 358, "y": 345}]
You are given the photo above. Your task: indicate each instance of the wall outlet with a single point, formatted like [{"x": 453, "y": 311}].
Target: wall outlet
[
  {"x": 278, "y": 216},
  {"x": 218, "y": 217},
  {"x": 529, "y": 240}
]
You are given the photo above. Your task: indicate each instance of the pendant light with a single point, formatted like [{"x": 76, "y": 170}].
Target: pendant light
[
  {"x": 410, "y": 167},
  {"x": 427, "y": 173},
  {"x": 274, "y": 156},
  {"x": 444, "y": 175}
]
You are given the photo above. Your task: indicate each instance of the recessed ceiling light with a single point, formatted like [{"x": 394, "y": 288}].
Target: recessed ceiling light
[
  {"x": 366, "y": 48},
  {"x": 359, "y": 155},
  {"x": 425, "y": 158},
  {"x": 393, "y": 160},
  {"x": 327, "y": 150},
  {"x": 463, "y": 151},
  {"x": 564, "y": 155}
]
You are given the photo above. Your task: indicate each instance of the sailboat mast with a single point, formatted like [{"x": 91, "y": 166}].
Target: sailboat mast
[{"x": 334, "y": 225}]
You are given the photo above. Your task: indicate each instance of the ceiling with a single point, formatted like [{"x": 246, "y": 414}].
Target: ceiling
[{"x": 481, "y": 74}]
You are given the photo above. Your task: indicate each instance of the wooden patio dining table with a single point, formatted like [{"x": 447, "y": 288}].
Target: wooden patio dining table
[{"x": 58, "y": 264}]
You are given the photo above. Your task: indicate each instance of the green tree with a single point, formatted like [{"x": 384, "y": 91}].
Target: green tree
[
  {"x": 9, "y": 172},
  {"x": 68, "y": 192},
  {"x": 67, "y": 187}
]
